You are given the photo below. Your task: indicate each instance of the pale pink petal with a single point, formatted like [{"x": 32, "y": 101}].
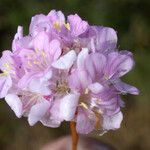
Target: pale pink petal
[
  {"x": 66, "y": 61},
  {"x": 79, "y": 80},
  {"x": 77, "y": 25},
  {"x": 125, "y": 66},
  {"x": 54, "y": 49},
  {"x": 6, "y": 59},
  {"x": 74, "y": 81},
  {"x": 53, "y": 117},
  {"x": 40, "y": 85},
  {"x": 125, "y": 88},
  {"x": 35, "y": 22},
  {"x": 37, "y": 112},
  {"x": 22, "y": 43},
  {"x": 68, "y": 106},
  {"x": 50, "y": 122},
  {"x": 46, "y": 76},
  {"x": 105, "y": 39},
  {"x": 24, "y": 81},
  {"x": 81, "y": 58},
  {"x": 41, "y": 42},
  {"x": 15, "y": 104},
  {"x": 118, "y": 64},
  {"x": 56, "y": 16},
  {"x": 86, "y": 121},
  {"x": 96, "y": 87},
  {"x": 95, "y": 64},
  {"x": 5, "y": 85},
  {"x": 112, "y": 122},
  {"x": 19, "y": 33}
]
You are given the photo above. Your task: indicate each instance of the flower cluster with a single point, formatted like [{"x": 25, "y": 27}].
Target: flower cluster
[{"x": 66, "y": 70}]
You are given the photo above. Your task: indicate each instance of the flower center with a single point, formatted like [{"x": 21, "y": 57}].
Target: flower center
[
  {"x": 57, "y": 25},
  {"x": 84, "y": 99},
  {"x": 89, "y": 103},
  {"x": 62, "y": 87},
  {"x": 8, "y": 70},
  {"x": 38, "y": 59}
]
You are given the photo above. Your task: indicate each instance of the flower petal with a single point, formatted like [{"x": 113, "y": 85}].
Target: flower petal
[
  {"x": 66, "y": 61},
  {"x": 40, "y": 85},
  {"x": 37, "y": 112},
  {"x": 95, "y": 64},
  {"x": 6, "y": 59},
  {"x": 25, "y": 80},
  {"x": 50, "y": 122},
  {"x": 86, "y": 121},
  {"x": 79, "y": 80},
  {"x": 55, "y": 50},
  {"x": 19, "y": 33},
  {"x": 36, "y": 86},
  {"x": 55, "y": 16},
  {"x": 38, "y": 23},
  {"x": 68, "y": 106},
  {"x": 5, "y": 85},
  {"x": 125, "y": 88},
  {"x": 81, "y": 58},
  {"x": 105, "y": 38},
  {"x": 41, "y": 41},
  {"x": 53, "y": 118},
  {"x": 96, "y": 87},
  {"x": 77, "y": 25},
  {"x": 118, "y": 64},
  {"x": 112, "y": 122},
  {"x": 15, "y": 103}
]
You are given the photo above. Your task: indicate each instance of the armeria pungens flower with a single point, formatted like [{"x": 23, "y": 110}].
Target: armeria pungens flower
[{"x": 66, "y": 70}]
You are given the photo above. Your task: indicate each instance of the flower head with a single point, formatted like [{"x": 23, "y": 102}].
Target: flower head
[{"x": 66, "y": 70}]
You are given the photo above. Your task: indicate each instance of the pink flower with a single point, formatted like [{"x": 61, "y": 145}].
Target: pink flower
[
  {"x": 21, "y": 41},
  {"x": 104, "y": 39},
  {"x": 57, "y": 27},
  {"x": 40, "y": 60},
  {"x": 77, "y": 25},
  {"x": 66, "y": 70},
  {"x": 64, "y": 101},
  {"x": 96, "y": 99},
  {"x": 38, "y": 24},
  {"x": 11, "y": 72},
  {"x": 52, "y": 23},
  {"x": 6, "y": 64},
  {"x": 28, "y": 104},
  {"x": 118, "y": 64}
]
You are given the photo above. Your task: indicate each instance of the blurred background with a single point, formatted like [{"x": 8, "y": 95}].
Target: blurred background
[{"x": 131, "y": 18}]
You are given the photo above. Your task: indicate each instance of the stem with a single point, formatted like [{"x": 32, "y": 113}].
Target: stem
[{"x": 74, "y": 135}]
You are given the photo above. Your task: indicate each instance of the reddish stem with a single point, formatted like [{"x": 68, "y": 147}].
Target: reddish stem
[{"x": 74, "y": 135}]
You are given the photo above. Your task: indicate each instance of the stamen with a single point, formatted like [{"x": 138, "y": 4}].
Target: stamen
[
  {"x": 5, "y": 73},
  {"x": 83, "y": 105},
  {"x": 37, "y": 50},
  {"x": 57, "y": 25},
  {"x": 86, "y": 91},
  {"x": 100, "y": 111},
  {"x": 106, "y": 77},
  {"x": 67, "y": 25},
  {"x": 36, "y": 62},
  {"x": 29, "y": 56},
  {"x": 30, "y": 63},
  {"x": 62, "y": 87},
  {"x": 7, "y": 66},
  {"x": 43, "y": 53}
]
